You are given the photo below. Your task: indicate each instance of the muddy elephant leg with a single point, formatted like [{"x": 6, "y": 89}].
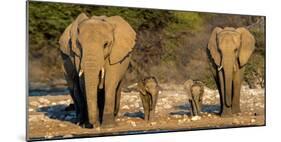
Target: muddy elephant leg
[
  {"x": 200, "y": 105},
  {"x": 192, "y": 107},
  {"x": 238, "y": 78},
  {"x": 225, "y": 111},
  {"x": 196, "y": 102},
  {"x": 117, "y": 99}
]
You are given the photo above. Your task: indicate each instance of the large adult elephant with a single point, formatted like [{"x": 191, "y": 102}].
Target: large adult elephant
[
  {"x": 96, "y": 54},
  {"x": 230, "y": 50}
]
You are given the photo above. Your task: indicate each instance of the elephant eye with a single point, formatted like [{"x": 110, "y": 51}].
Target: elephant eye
[{"x": 105, "y": 45}]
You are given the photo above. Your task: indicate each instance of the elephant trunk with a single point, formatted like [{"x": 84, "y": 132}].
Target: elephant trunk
[
  {"x": 228, "y": 64},
  {"x": 93, "y": 61},
  {"x": 154, "y": 95}
]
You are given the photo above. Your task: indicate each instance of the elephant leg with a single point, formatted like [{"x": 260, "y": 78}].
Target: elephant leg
[
  {"x": 192, "y": 107},
  {"x": 113, "y": 76},
  {"x": 145, "y": 103},
  {"x": 197, "y": 105},
  {"x": 109, "y": 107},
  {"x": 70, "y": 87},
  {"x": 225, "y": 111},
  {"x": 70, "y": 74},
  {"x": 117, "y": 98},
  {"x": 237, "y": 83},
  {"x": 152, "y": 108},
  {"x": 200, "y": 105}
]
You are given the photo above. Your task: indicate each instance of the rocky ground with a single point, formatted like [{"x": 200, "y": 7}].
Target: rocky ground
[{"x": 48, "y": 119}]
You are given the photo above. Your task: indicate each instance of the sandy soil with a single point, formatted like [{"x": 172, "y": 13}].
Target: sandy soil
[{"x": 47, "y": 118}]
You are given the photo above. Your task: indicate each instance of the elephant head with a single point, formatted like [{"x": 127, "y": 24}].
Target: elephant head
[
  {"x": 93, "y": 42},
  {"x": 149, "y": 86},
  {"x": 230, "y": 50}
]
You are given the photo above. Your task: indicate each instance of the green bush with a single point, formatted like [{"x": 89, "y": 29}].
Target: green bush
[{"x": 171, "y": 45}]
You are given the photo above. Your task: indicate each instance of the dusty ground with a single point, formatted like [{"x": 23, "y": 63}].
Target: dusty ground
[{"x": 48, "y": 119}]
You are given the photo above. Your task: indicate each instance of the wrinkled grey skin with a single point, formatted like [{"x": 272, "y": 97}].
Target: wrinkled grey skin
[
  {"x": 230, "y": 50},
  {"x": 96, "y": 54},
  {"x": 149, "y": 91},
  {"x": 195, "y": 90}
]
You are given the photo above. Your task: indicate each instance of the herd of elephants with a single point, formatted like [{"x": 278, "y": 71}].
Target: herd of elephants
[{"x": 96, "y": 53}]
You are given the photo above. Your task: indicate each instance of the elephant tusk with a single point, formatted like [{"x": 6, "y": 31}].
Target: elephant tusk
[
  {"x": 80, "y": 73},
  {"x": 219, "y": 68},
  {"x": 133, "y": 85},
  {"x": 102, "y": 72}
]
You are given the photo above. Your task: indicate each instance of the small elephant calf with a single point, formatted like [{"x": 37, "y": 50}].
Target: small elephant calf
[
  {"x": 195, "y": 90},
  {"x": 149, "y": 91}
]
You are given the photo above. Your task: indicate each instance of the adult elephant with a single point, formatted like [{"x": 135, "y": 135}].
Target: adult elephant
[
  {"x": 230, "y": 50},
  {"x": 96, "y": 53}
]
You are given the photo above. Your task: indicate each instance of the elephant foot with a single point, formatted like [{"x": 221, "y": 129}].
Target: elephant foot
[
  {"x": 109, "y": 125},
  {"x": 236, "y": 110},
  {"x": 226, "y": 112},
  {"x": 108, "y": 121},
  {"x": 70, "y": 107},
  {"x": 115, "y": 113},
  {"x": 86, "y": 125}
]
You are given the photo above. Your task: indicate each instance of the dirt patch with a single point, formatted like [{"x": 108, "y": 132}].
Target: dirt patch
[{"x": 48, "y": 119}]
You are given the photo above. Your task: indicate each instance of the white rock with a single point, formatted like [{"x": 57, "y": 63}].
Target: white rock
[
  {"x": 235, "y": 121},
  {"x": 68, "y": 136},
  {"x": 253, "y": 120},
  {"x": 125, "y": 107},
  {"x": 153, "y": 123},
  {"x": 167, "y": 106},
  {"x": 31, "y": 109},
  {"x": 180, "y": 121},
  {"x": 164, "y": 99},
  {"x": 44, "y": 101},
  {"x": 69, "y": 101},
  {"x": 133, "y": 123},
  {"x": 49, "y": 136},
  {"x": 195, "y": 118},
  {"x": 98, "y": 128},
  {"x": 62, "y": 102},
  {"x": 34, "y": 103},
  {"x": 137, "y": 105},
  {"x": 53, "y": 103},
  {"x": 176, "y": 116},
  {"x": 62, "y": 125}
]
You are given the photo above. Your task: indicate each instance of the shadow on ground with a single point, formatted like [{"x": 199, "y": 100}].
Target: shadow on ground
[
  {"x": 138, "y": 114},
  {"x": 185, "y": 109},
  {"x": 58, "y": 112}
]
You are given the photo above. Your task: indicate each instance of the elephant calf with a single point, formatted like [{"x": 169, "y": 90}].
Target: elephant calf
[
  {"x": 149, "y": 91},
  {"x": 195, "y": 90}
]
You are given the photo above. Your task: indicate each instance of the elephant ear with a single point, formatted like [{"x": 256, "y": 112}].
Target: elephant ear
[
  {"x": 74, "y": 33},
  {"x": 247, "y": 46},
  {"x": 141, "y": 88},
  {"x": 213, "y": 47},
  {"x": 64, "y": 41},
  {"x": 124, "y": 39}
]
